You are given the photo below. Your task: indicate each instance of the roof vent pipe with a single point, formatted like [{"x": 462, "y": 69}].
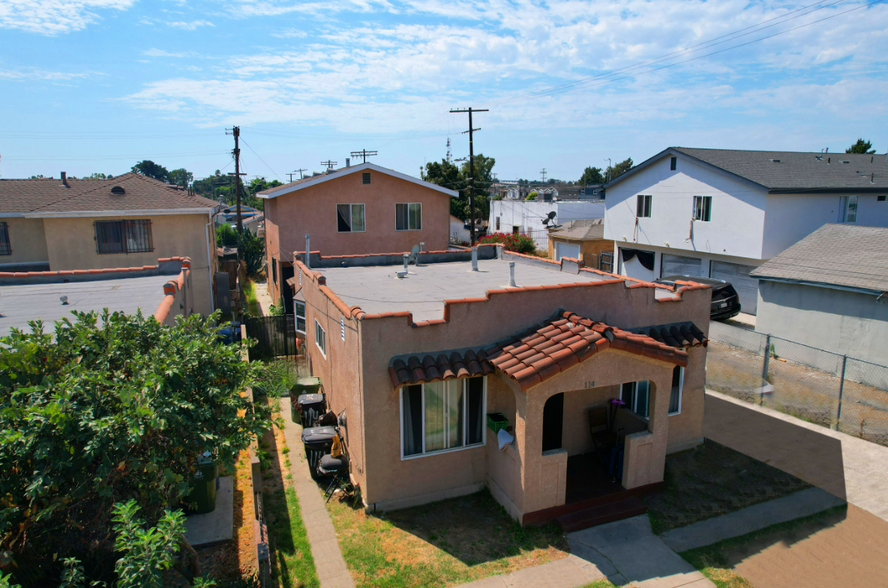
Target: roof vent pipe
[
  {"x": 512, "y": 283},
  {"x": 308, "y": 251},
  {"x": 65, "y": 178},
  {"x": 475, "y": 258},
  {"x": 348, "y": 162},
  {"x": 421, "y": 246}
]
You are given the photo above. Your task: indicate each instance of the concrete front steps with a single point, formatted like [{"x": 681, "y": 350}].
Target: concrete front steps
[{"x": 599, "y": 514}]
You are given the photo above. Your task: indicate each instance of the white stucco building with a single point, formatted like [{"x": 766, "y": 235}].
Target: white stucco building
[
  {"x": 526, "y": 217},
  {"x": 722, "y": 213}
]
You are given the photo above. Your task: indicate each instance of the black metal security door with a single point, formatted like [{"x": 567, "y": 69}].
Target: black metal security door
[{"x": 275, "y": 336}]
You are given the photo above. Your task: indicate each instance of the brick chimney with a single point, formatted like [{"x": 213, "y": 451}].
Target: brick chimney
[{"x": 65, "y": 178}]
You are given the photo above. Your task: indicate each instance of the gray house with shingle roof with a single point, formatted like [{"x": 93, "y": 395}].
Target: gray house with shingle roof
[
  {"x": 721, "y": 213},
  {"x": 123, "y": 222},
  {"x": 830, "y": 290}
]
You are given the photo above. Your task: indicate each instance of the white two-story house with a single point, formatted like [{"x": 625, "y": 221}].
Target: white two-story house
[{"x": 721, "y": 213}]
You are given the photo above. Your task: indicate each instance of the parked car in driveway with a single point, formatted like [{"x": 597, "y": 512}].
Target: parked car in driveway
[{"x": 725, "y": 302}]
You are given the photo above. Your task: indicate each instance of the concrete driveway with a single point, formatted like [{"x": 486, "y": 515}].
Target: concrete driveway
[{"x": 850, "y": 468}]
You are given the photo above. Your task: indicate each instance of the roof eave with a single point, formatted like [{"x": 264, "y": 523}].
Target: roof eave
[
  {"x": 148, "y": 211},
  {"x": 836, "y": 190},
  {"x": 827, "y": 285}
]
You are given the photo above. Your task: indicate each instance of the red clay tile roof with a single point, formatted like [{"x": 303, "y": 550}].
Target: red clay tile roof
[
  {"x": 536, "y": 354},
  {"x": 52, "y": 196},
  {"x": 684, "y": 334}
]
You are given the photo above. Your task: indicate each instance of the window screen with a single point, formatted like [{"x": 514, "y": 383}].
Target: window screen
[
  {"x": 126, "y": 236},
  {"x": 5, "y": 247}
]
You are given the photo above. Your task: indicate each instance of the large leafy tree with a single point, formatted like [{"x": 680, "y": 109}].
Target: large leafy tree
[
  {"x": 180, "y": 177},
  {"x": 108, "y": 408},
  {"x": 591, "y": 175},
  {"x": 618, "y": 169},
  {"x": 861, "y": 146},
  {"x": 152, "y": 170},
  {"x": 448, "y": 175}
]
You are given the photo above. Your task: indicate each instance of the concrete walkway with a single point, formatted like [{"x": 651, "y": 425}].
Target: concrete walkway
[
  {"x": 263, "y": 298},
  {"x": 749, "y": 519},
  {"x": 850, "y": 468},
  {"x": 570, "y": 572},
  {"x": 628, "y": 552},
  {"x": 330, "y": 566}
]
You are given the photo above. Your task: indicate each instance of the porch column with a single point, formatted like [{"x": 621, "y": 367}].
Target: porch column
[
  {"x": 645, "y": 457},
  {"x": 545, "y": 474}
]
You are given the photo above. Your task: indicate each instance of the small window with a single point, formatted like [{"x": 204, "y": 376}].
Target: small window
[
  {"x": 673, "y": 163},
  {"x": 675, "y": 395},
  {"x": 848, "y": 209},
  {"x": 881, "y": 198},
  {"x": 126, "y": 236},
  {"x": 350, "y": 218},
  {"x": 442, "y": 416},
  {"x": 320, "y": 338},
  {"x": 342, "y": 327},
  {"x": 636, "y": 395},
  {"x": 702, "y": 208},
  {"x": 643, "y": 206},
  {"x": 274, "y": 270},
  {"x": 366, "y": 177},
  {"x": 498, "y": 221},
  {"x": 515, "y": 230},
  {"x": 299, "y": 309},
  {"x": 408, "y": 216},
  {"x": 5, "y": 247}
]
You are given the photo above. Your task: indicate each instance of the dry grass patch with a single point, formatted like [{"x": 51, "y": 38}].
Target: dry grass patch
[{"x": 441, "y": 544}]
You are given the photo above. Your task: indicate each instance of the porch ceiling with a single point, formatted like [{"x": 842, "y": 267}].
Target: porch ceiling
[{"x": 536, "y": 354}]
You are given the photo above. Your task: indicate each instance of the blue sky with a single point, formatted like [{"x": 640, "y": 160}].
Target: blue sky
[{"x": 95, "y": 85}]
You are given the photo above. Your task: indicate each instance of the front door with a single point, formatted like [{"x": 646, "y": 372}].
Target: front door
[{"x": 553, "y": 419}]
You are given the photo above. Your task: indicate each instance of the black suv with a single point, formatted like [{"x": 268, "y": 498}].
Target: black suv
[{"x": 725, "y": 302}]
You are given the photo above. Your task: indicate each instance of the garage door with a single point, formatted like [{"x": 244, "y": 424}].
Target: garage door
[
  {"x": 738, "y": 276},
  {"x": 676, "y": 265},
  {"x": 566, "y": 250}
]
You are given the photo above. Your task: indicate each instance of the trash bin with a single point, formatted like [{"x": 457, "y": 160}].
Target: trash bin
[
  {"x": 306, "y": 387},
  {"x": 231, "y": 333},
  {"x": 317, "y": 441},
  {"x": 202, "y": 498},
  {"x": 311, "y": 407}
]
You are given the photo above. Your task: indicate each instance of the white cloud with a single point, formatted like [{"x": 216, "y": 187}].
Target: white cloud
[
  {"x": 52, "y": 17},
  {"x": 161, "y": 53},
  {"x": 42, "y": 75},
  {"x": 190, "y": 25}
]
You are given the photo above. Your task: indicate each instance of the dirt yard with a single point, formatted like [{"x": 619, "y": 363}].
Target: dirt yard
[
  {"x": 713, "y": 480},
  {"x": 839, "y": 549}
]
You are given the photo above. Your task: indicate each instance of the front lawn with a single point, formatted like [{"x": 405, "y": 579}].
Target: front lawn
[
  {"x": 713, "y": 480},
  {"x": 441, "y": 544}
]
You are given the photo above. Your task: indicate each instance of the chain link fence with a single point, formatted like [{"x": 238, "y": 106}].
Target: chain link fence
[{"x": 816, "y": 385}]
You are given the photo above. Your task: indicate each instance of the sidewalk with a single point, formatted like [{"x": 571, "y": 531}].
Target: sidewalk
[
  {"x": 850, "y": 468},
  {"x": 329, "y": 563}
]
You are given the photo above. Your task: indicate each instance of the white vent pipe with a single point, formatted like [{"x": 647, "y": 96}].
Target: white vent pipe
[
  {"x": 512, "y": 283},
  {"x": 475, "y": 258}
]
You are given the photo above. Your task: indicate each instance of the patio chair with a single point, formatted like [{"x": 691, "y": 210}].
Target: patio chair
[{"x": 603, "y": 439}]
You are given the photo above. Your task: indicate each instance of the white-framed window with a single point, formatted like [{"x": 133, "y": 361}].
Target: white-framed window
[
  {"x": 408, "y": 216},
  {"x": 299, "y": 312},
  {"x": 637, "y": 396},
  {"x": 702, "y": 208},
  {"x": 848, "y": 209},
  {"x": 678, "y": 374},
  {"x": 350, "y": 218},
  {"x": 443, "y": 416},
  {"x": 643, "y": 206},
  {"x": 320, "y": 338}
]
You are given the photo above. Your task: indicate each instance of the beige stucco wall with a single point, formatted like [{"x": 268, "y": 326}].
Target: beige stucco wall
[
  {"x": 27, "y": 240},
  {"x": 71, "y": 245},
  {"x": 312, "y": 210},
  {"x": 590, "y": 250}
]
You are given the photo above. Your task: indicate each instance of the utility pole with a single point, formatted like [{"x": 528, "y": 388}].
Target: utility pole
[
  {"x": 471, "y": 130},
  {"x": 543, "y": 175},
  {"x": 237, "y": 183},
  {"x": 363, "y": 153},
  {"x": 608, "y": 172}
]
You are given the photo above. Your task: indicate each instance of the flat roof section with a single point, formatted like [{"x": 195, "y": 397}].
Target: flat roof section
[
  {"x": 377, "y": 289},
  {"x": 22, "y": 303}
]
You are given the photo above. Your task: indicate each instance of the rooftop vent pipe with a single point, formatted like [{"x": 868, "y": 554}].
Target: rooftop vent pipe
[
  {"x": 348, "y": 162},
  {"x": 65, "y": 178},
  {"x": 512, "y": 283},
  {"x": 475, "y": 258},
  {"x": 308, "y": 251}
]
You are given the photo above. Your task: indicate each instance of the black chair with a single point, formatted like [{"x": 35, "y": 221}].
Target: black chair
[{"x": 336, "y": 470}]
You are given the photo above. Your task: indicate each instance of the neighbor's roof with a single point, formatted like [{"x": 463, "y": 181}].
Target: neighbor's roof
[
  {"x": 344, "y": 171},
  {"x": 581, "y": 230},
  {"x": 788, "y": 172},
  {"x": 835, "y": 255},
  {"x": 42, "y": 198},
  {"x": 535, "y": 355}
]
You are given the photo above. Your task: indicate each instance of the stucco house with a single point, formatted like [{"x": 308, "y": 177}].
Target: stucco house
[
  {"x": 830, "y": 290},
  {"x": 419, "y": 364},
  {"x": 722, "y": 213},
  {"x": 582, "y": 239},
  {"x": 526, "y": 216},
  {"x": 354, "y": 210},
  {"x": 127, "y": 221}
]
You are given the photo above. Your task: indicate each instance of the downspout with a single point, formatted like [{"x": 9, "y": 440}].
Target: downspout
[{"x": 210, "y": 214}]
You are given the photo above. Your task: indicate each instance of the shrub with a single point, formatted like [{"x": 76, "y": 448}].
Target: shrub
[
  {"x": 517, "y": 243},
  {"x": 109, "y": 408},
  {"x": 531, "y": 196}
]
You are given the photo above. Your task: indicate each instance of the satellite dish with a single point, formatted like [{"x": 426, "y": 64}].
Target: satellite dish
[{"x": 549, "y": 218}]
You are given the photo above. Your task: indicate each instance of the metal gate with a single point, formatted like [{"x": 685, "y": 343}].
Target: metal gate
[
  {"x": 274, "y": 336},
  {"x": 606, "y": 261}
]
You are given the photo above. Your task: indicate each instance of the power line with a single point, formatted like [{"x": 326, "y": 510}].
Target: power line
[
  {"x": 263, "y": 161},
  {"x": 471, "y": 166}
]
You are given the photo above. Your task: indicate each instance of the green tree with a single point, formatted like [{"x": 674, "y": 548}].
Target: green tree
[
  {"x": 591, "y": 175},
  {"x": 109, "y": 408},
  {"x": 180, "y": 177},
  {"x": 613, "y": 172},
  {"x": 99, "y": 176},
  {"x": 861, "y": 147},
  {"x": 152, "y": 170}
]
